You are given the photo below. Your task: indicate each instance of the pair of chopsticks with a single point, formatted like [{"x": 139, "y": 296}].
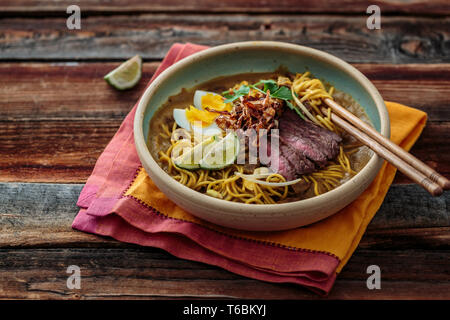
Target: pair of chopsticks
[{"x": 405, "y": 162}]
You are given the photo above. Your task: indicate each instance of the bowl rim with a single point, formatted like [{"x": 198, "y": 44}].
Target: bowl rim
[{"x": 233, "y": 208}]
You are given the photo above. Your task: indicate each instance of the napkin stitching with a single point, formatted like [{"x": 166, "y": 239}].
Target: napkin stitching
[
  {"x": 267, "y": 243},
  {"x": 279, "y": 245}
]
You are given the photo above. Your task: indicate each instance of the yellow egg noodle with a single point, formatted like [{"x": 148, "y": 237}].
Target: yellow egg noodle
[
  {"x": 314, "y": 91},
  {"x": 224, "y": 184}
]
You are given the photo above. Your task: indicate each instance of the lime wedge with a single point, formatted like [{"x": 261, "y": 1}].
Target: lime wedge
[
  {"x": 191, "y": 159},
  {"x": 126, "y": 75},
  {"x": 222, "y": 154}
]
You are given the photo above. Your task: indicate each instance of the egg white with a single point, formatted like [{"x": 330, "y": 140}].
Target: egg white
[
  {"x": 210, "y": 130},
  {"x": 198, "y": 95},
  {"x": 180, "y": 116},
  {"x": 181, "y": 120}
]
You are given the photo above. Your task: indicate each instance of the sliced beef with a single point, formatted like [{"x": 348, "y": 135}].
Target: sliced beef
[
  {"x": 284, "y": 167},
  {"x": 304, "y": 146},
  {"x": 326, "y": 141},
  {"x": 300, "y": 132},
  {"x": 290, "y": 163},
  {"x": 300, "y": 163},
  {"x": 279, "y": 164}
]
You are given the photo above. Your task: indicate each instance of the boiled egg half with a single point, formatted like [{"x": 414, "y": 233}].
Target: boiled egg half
[{"x": 197, "y": 117}]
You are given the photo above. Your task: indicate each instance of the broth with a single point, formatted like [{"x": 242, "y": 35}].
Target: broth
[{"x": 158, "y": 142}]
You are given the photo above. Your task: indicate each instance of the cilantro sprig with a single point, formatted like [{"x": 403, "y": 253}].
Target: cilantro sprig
[
  {"x": 275, "y": 91},
  {"x": 233, "y": 95}
]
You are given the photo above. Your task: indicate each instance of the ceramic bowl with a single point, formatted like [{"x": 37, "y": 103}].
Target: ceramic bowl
[{"x": 261, "y": 56}]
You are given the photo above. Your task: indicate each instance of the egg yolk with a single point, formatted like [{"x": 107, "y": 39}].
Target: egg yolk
[
  {"x": 196, "y": 116},
  {"x": 212, "y": 101}
]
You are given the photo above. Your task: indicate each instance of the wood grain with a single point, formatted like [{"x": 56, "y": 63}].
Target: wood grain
[
  {"x": 37, "y": 245},
  {"x": 400, "y": 40},
  {"x": 148, "y": 273},
  {"x": 77, "y": 90},
  {"x": 36, "y": 215},
  {"x": 54, "y": 150},
  {"x": 34, "y": 7},
  {"x": 408, "y": 206},
  {"x": 38, "y": 91},
  {"x": 56, "y": 119},
  {"x": 66, "y": 150}
]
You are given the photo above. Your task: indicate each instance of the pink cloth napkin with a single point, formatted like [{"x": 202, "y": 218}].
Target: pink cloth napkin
[{"x": 106, "y": 211}]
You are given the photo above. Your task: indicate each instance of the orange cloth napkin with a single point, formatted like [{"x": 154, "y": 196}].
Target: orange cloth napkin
[{"x": 338, "y": 234}]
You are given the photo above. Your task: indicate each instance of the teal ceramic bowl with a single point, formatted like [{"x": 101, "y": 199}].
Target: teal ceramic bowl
[{"x": 247, "y": 57}]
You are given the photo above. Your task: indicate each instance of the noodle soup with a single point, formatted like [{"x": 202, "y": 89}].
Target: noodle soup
[{"x": 312, "y": 156}]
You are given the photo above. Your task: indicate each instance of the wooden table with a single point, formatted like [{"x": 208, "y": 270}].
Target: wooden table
[{"x": 57, "y": 114}]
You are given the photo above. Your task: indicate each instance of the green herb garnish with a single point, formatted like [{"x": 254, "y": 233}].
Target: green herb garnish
[
  {"x": 242, "y": 91},
  {"x": 282, "y": 93},
  {"x": 292, "y": 107},
  {"x": 270, "y": 85},
  {"x": 275, "y": 91}
]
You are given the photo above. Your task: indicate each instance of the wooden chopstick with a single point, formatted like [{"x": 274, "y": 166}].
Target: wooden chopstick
[
  {"x": 433, "y": 188},
  {"x": 388, "y": 144}
]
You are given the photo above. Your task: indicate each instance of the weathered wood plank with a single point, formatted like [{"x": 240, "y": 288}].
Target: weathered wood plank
[
  {"x": 33, "y": 7},
  {"x": 425, "y": 87},
  {"x": 400, "y": 40},
  {"x": 430, "y": 148},
  {"x": 149, "y": 273},
  {"x": 42, "y": 214},
  {"x": 39, "y": 91},
  {"x": 409, "y": 206},
  {"x": 39, "y": 215},
  {"x": 68, "y": 111},
  {"x": 66, "y": 150},
  {"x": 56, "y": 150},
  {"x": 402, "y": 239},
  {"x": 77, "y": 90}
]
